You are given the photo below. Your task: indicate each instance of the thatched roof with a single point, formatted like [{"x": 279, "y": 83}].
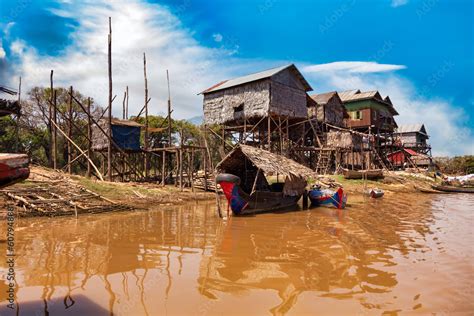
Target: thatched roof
[{"x": 269, "y": 163}]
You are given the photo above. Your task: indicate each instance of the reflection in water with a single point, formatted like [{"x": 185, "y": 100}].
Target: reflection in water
[{"x": 412, "y": 253}]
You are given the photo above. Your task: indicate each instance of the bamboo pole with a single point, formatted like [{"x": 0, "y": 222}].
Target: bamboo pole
[
  {"x": 109, "y": 132},
  {"x": 78, "y": 148},
  {"x": 123, "y": 104},
  {"x": 126, "y": 104},
  {"x": 169, "y": 108},
  {"x": 163, "y": 168},
  {"x": 52, "y": 116},
  {"x": 145, "y": 161},
  {"x": 69, "y": 131},
  {"x": 89, "y": 136},
  {"x": 17, "y": 125}
]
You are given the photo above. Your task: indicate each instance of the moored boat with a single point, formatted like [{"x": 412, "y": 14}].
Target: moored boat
[
  {"x": 363, "y": 174},
  {"x": 243, "y": 173},
  {"x": 453, "y": 189},
  {"x": 375, "y": 193},
  {"x": 13, "y": 168},
  {"x": 327, "y": 197}
]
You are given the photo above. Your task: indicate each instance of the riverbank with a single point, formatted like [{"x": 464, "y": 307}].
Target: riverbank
[
  {"x": 57, "y": 190},
  {"x": 53, "y": 193}
]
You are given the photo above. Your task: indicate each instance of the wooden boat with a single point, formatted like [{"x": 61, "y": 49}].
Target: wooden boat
[
  {"x": 242, "y": 203},
  {"x": 243, "y": 173},
  {"x": 375, "y": 193},
  {"x": 363, "y": 174},
  {"x": 319, "y": 197},
  {"x": 13, "y": 168},
  {"x": 453, "y": 189},
  {"x": 429, "y": 191}
]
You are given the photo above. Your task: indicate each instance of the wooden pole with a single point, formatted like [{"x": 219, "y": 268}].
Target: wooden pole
[
  {"x": 52, "y": 118},
  {"x": 109, "y": 132},
  {"x": 17, "y": 125},
  {"x": 89, "y": 135},
  {"x": 163, "y": 168},
  {"x": 126, "y": 104},
  {"x": 181, "y": 161},
  {"x": 145, "y": 161},
  {"x": 69, "y": 131},
  {"x": 169, "y": 108},
  {"x": 123, "y": 104},
  {"x": 269, "y": 134},
  {"x": 55, "y": 131}
]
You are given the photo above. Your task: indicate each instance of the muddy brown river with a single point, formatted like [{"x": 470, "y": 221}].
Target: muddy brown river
[{"x": 403, "y": 254}]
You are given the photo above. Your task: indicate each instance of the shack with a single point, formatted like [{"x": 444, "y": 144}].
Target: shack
[
  {"x": 125, "y": 133},
  {"x": 406, "y": 157},
  {"x": 327, "y": 108},
  {"x": 277, "y": 91},
  {"x": 368, "y": 110},
  {"x": 253, "y": 165},
  {"x": 413, "y": 136}
]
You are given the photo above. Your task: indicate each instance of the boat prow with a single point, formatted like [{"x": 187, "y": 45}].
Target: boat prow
[
  {"x": 13, "y": 168},
  {"x": 328, "y": 197}
]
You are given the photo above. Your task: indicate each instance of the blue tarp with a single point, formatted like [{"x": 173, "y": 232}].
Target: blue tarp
[{"x": 126, "y": 137}]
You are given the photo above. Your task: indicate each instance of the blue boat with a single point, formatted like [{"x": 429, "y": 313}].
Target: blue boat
[{"x": 326, "y": 197}]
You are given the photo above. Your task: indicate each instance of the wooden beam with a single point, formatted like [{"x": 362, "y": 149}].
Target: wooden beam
[{"x": 109, "y": 132}]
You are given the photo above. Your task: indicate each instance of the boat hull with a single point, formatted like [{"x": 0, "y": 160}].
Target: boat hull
[
  {"x": 319, "y": 197},
  {"x": 13, "y": 168},
  {"x": 447, "y": 188},
  {"x": 241, "y": 203}
]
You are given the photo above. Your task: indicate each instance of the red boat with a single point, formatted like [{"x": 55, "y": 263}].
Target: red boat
[{"x": 13, "y": 168}]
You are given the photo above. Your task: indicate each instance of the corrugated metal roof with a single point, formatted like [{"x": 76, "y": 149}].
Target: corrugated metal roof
[
  {"x": 256, "y": 76},
  {"x": 412, "y": 128},
  {"x": 347, "y": 93},
  {"x": 323, "y": 98},
  {"x": 357, "y": 95}
]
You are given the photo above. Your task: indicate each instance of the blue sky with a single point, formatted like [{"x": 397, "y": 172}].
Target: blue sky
[{"x": 418, "y": 52}]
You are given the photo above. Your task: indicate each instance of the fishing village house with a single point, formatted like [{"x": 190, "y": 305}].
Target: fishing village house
[
  {"x": 414, "y": 137},
  {"x": 258, "y": 109}
]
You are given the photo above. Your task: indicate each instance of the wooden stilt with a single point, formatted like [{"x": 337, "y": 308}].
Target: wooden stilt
[
  {"x": 109, "y": 132},
  {"x": 89, "y": 135},
  {"x": 69, "y": 131}
]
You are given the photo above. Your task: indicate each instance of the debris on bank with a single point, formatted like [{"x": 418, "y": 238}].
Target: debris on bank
[{"x": 55, "y": 194}]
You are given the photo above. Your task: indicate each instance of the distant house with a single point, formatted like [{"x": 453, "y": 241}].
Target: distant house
[
  {"x": 327, "y": 108},
  {"x": 125, "y": 133},
  {"x": 406, "y": 157},
  {"x": 275, "y": 92},
  {"x": 413, "y": 136},
  {"x": 369, "y": 109}
]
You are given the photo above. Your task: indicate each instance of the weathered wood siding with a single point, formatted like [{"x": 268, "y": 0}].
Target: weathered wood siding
[
  {"x": 282, "y": 94},
  {"x": 334, "y": 112},
  {"x": 288, "y": 96},
  {"x": 219, "y": 106}
]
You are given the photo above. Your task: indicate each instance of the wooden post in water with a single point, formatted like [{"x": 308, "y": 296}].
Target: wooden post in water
[
  {"x": 109, "y": 132},
  {"x": 69, "y": 131},
  {"x": 163, "y": 168},
  {"x": 146, "y": 162},
  {"x": 89, "y": 135},
  {"x": 53, "y": 126}
]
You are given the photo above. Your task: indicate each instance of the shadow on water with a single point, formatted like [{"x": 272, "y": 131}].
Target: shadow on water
[{"x": 79, "y": 306}]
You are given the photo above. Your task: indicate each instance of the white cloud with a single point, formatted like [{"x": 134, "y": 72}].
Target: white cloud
[
  {"x": 2, "y": 51},
  {"x": 445, "y": 122},
  {"x": 142, "y": 27},
  {"x": 353, "y": 67},
  {"x": 217, "y": 37},
  {"x": 137, "y": 27},
  {"x": 398, "y": 3}
]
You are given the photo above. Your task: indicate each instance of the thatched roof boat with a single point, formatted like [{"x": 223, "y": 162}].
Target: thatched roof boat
[{"x": 242, "y": 176}]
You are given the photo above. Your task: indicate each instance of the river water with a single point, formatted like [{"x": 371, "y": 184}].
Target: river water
[{"x": 403, "y": 254}]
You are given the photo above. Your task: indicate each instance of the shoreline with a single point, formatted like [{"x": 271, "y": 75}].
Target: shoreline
[{"x": 134, "y": 196}]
